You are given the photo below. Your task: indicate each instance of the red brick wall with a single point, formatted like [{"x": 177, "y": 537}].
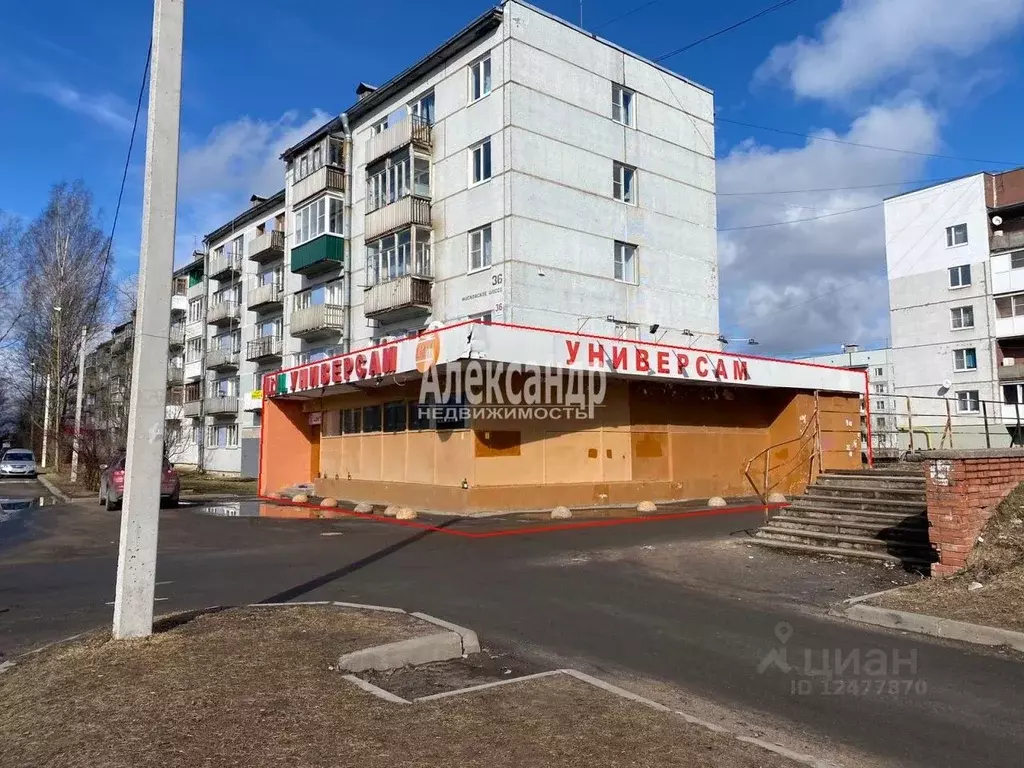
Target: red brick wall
[{"x": 963, "y": 488}]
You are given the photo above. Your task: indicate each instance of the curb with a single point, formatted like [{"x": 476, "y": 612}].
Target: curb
[
  {"x": 441, "y": 646},
  {"x": 470, "y": 642},
  {"x": 53, "y": 489},
  {"x": 934, "y": 626}
]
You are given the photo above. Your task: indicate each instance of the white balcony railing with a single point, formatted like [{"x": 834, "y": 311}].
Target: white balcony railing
[
  {"x": 264, "y": 294},
  {"x": 399, "y": 214},
  {"x": 173, "y": 412},
  {"x": 179, "y": 303},
  {"x": 221, "y": 312},
  {"x": 328, "y": 177},
  {"x": 222, "y": 358},
  {"x": 263, "y": 347},
  {"x": 403, "y": 293},
  {"x": 221, "y": 404},
  {"x": 192, "y": 408},
  {"x": 409, "y": 129},
  {"x": 224, "y": 264},
  {"x": 319, "y": 318},
  {"x": 267, "y": 246}
]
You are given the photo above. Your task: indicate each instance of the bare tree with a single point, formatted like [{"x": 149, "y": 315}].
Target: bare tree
[{"x": 66, "y": 287}]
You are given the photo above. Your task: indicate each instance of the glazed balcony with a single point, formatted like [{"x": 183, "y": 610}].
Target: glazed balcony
[
  {"x": 317, "y": 321},
  {"x": 400, "y": 214},
  {"x": 410, "y": 130},
  {"x": 267, "y": 247},
  {"x": 395, "y": 299},
  {"x": 263, "y": 348},
  {"x": 321, "y": 254}
]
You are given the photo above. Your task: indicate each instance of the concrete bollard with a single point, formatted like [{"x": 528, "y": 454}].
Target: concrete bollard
[
  {"x": 405, "y": 514},
  {"x": 364, "y": 508},
  {"x": 646, "y": 506},
  {"x": 717, "y": 501},
  {"x": 300, "y": 498},
  {"x": 776, "y": 498},
  {"x": 561, "y": 513},
  {"x": 391, "y": 510},
  {"x": 329, "y": 502}
]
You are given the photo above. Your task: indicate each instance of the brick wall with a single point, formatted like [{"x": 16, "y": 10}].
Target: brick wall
[{"x": 963, "y": 488}]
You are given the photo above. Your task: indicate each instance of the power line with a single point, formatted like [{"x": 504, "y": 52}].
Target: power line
[
  {"x": 800, "y": 221},
  {"x": 837, "y": 189},
  {"x": 865, "y": 146},
  {"x": 620, "y": 17},
  {"x": 124, "y": 178},
  {"x": 730, "y": 28}
]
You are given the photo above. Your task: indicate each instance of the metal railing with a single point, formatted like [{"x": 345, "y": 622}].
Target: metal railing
[
  {"x": 267, "y": 246},
  {"x": 224, "y": 263},
  {"x": 222, "y": 311},
  {"x": 222, "y": 358},
  {"x": 264, "y": 346},
  {"x": 410, "y": 129},
  {"x": 921, "y": 422},
  {"x": 772, "y": 475}
]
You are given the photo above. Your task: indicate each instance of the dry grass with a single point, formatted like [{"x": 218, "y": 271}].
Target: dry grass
[
  {"x": 203, "y": 483},
  {"x": 253, "y": 688},
  {"x": 997, "y": 562}
]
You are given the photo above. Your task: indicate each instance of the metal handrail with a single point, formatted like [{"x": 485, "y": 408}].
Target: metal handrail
[{"x": 763, "y": 495}]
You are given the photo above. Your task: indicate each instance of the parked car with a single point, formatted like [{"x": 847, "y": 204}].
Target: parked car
[
  {"x": 18, "y": 462},
  {"x": 112, "y": 485}
]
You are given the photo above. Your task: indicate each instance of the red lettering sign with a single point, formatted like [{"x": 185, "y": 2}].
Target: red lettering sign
[
  {"x": 643, "y": 362},
  {"x": 739, "y": 370},
  {"x": 721, "y": 372},
  {"x": 325, "y": 374},
  {"x": 375, "y": 363},
  {"x": 348, "y": 366},
  {"x": 361, "y": 366},
  {"x": 702, "y": 367},
  {"x": 662, "y": 362},
  {"x": 295, "y": 380},
  {"x": 573, "y": 349},
  {"x": 303, "y": 378},
  {"x": 595, "y": 355},
  {"x": 620, "y": 360},
  {"x": 336, "y": 374},
  {"x": 682, "y": 363},
  {"x": 389, "y": 361},
  {"x": 314, "y": 377}
]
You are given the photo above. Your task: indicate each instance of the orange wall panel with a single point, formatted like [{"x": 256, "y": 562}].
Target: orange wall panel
[{"x": 285, "y": 451}]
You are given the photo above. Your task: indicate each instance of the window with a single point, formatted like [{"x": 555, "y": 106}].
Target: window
[
  {"x": 421, "y": 176},
  {"x": 224, "y": 387},
  {"x": 230, "y": 295},
  {"x": 419, "y": 416},
  {"x": 879, "y": 405},
  {"x": 379, "y": 127},
  {"x": 222, "y": 436},
  {"x": 351, "y": 421},
  {"x": 622, "y": 104},
  {"x": 237, "y": 247},
  {"x": 479, "y": 78},
  {"x": 962, "y": 317},
  {"x": 1017, "y": 260},
  {"x": 395, "y": 416},
  {"x": 1010, "y": 306},
  {"x": 270, "y": 277},
  {"x": 197, "y": 434},
  {"x": 879, "y": 389},
  {"x": 450, "y": 415},
  {"x": 624, "y": 183},
  {"x": 372, "y": 418},
  {"x": 879, "y": 371},
  {"x": 325, "y": 293},
  {"x": 481, "y": 162},
  {"x": 403, "y": 253},
  {"x": 1013, "y": 394},
  {"x": 269, "y": 329},
  {"x": 480, "y": 248},
  {"x": 960, "y": 276},
  {"x": 423, "y": 108},
  {"x": 195, "y": 310},
  {"x": 193, "y": 350},
  {"x": 311, "y": 221},
  {"x": 965, "y": 359},
  {"x": 389, "y": 181},
  {"x": 625, "y": 262},
  {"x": 968, "y": 401},
  {"x": 956, "y": 235}
]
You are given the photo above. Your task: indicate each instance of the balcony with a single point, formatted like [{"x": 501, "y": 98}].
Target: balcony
[
  {"x": 403, "y": 297},
  {"x": 263, "y": 348},
  {"x": 410, "y": 130},
  {"x": 221, "y": 405},
  {"x": 173, "y": 412},
  {"x": 179, "y": 303},
  {"x": 264, "y": 296},
  {"x": 221, "y": 359},
  {"x": 192, "y": 408},
  {"x": 267, "y": 247},
  {"x": 252, "y": 401},
  {"x": 175, "y": 375},
  {"x": 320, "y": 255},
  {"x": 176, "y": 336},
  {"x": 1007, "y": 241},
  {"x": 225, "y": 265},
  {"x": 398, "y": 215},
  {"x": 329, "y": 177},
  {"x": 222, "y": 313},
  {"x": 1014, "y": 371},
  {"x": 318, "y": 320},
  {"x": 193, "y": 370}
]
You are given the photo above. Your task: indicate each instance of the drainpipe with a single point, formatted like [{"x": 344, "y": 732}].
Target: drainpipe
[{"x": 348, "y": 228}]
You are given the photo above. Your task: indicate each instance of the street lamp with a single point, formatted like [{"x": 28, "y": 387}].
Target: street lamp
[{"x": 748, "y": 342}]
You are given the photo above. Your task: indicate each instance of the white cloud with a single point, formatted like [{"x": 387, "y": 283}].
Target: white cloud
[
  {"x": 806, "y": 285},
  {"x": 105, "y": 108},
  {"x": 867, "y": 43},
  {"x": 219, "y": 172}
]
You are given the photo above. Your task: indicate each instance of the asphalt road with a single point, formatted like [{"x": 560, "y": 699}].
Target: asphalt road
[{"x": 680, "y": 608}]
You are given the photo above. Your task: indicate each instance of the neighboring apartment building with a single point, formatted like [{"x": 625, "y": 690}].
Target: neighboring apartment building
[
  {"x": 524, "y": 172},
  {"x": 878, "y": 365},
  {"x": 955, "y": 260}
]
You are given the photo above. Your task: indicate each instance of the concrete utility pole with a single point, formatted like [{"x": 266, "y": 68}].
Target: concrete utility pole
[
  {"x": 46, "y": 417},
  {"x": 76, "y": 445},
  {"x": 56, "y": 397},
  {"x": 136, "y": 564}
]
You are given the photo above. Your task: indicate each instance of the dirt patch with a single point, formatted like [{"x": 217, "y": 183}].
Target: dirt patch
[
  {"x": 196, "y": 482},
  {"x": 996, "y": 564},
  {"x": 255, "y": 687}
]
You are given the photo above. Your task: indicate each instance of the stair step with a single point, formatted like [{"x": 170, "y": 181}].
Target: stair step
[
  {"x": 861, "y": 554},
  {"x": 915, "y": 471},
  {"x": 919, "y": 532},
  {"x": 855, "y": 542},
  {"x": 907, "y": 479},
  {"x": 875, "y": 489},
  {"x": 853, "y": 514},
  {"x": 851, "y": 501}
]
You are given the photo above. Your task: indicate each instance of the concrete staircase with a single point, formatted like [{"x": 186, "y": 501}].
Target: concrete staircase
[{"x": 869, "y": 514}]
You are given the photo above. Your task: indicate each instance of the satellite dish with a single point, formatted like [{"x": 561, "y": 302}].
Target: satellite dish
[{"x": 997, "y": 220}]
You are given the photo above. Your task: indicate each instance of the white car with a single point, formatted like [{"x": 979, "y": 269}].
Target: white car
[{"x": 18, "y": 462}]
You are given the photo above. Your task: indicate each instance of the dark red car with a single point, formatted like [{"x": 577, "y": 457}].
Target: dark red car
[{"x": 112, "y": 485}]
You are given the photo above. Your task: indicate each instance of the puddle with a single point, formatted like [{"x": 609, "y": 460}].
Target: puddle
[
  {"x": 270, "y": 510},
  {"x": 15, "y": 516}
]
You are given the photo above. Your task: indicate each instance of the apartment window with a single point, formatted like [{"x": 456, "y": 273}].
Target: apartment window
[
  {"x": 391, "y": 180},
  {"x": 956, "y": 235},
  {"x": 195, "y": 310},
  {"x": 193, "y": 350},
  {"x": 1013, "y": 394},
  {"x": 403, "y": 253},
  {"x": 325, "y": 293},
  {"x": 237, "y": 248},
  {"x": 227, "y": 387},
  {"x": 625, "y": 262},
  {"x": 968, "y": 401},
  {"x": 222, "y": 436},
  {"x": 312, "y": 220},
  {"x": 624, "y": 183},
  {"x": 423, "y": 108},
  {"x": 622, "y": 104},
  {"x": 879, "y": 389},
  {"x": 480, "y": 248},
  {"x": 379, "y": 127},
  {"x": 228, "y": 342},
  {"x": 230, "y": 295},
  {"x": 479, "y": 78},
  {"x": 879, "y": 405},
  {"x": 960, "y": 276},
  {"x": 270, "y": 277},
  {"x": 1017, "y": 260},
  {"x": 197, "y": 434},
  {"x": 965, "y": 359},
  {"x": 1010, "y": 306},
  {"x": 879, "y": 372},
  {"x": 269, "y": 328},
  {"x": 481, "y": 162},
  {"x": 962, "y": 317},
  {"x": 421, "y": 176}
]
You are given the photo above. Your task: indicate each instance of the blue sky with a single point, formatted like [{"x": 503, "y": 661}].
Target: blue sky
[{"x": 933, "y": 76}]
